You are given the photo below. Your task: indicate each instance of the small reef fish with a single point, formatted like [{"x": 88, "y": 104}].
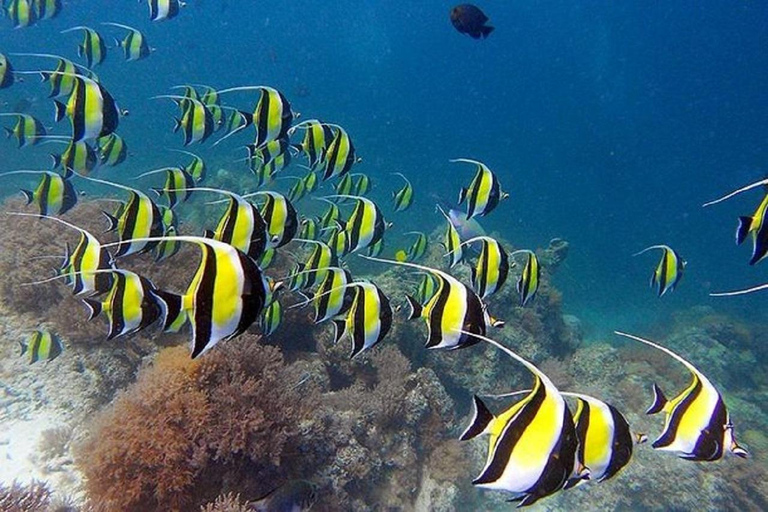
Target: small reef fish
[
  {"x": 317, "y": 139},
  {"x": 272, "y": 116},
  {"x": 292, "y": 496},
  {"x": 91, "y": 110},
  {"x": 308, "y": 229},
  {"x": 177, "y": 187},
  {"x": 697, "y": 425},
  {"x": 27, "y": 131},
  {"x": 454, "y": 315},
  {"x": 416, "y": 251},
  {"x": 79, "y": 157},
  {"x": 668, "y": 272},
  {"x": 469, "y": 19},
  {"x": 131, "y": 304},
  {"x": 490, "y": 272},
  {"x": 93, "y": 48},
  {"x": 60, "y": 79},
  {"x": 310, "y": 182},
  {"x": 22, "y": 13},
  {"x": 298, "y": 190},
  {"x": 112, "y": 150},
  {"x": 756, "y": 224},
  {"x": 528, "y": 282},
  {"x": 280, "y": 216},
  {"x": 54, "y": 194},
  {"x": 403, "y": 198},
  {"x": 271, "y": 318},
  {"x": 225, "y": 297},
  {"x": 340, "y": 156},
  {"x": 7, "y": 76},
  {"x": 42, "y": 346},
  {"x": 426, "y": 289},
  {"x": 365, "y": 226},
  {"x": 369, "y": 319},
  {"x": 196, "y": 121},
  {"x": 333, "y": 297},
  {"x": 532, "y": 447},
  {"x": 170, "y": 247},
  {"x": 452, "y": 241},
  {"x": 362, "y": 185},
  {"x": 134, "y": 44},
  {"x": 267, "y": 152},
  {"x": 321, "y": 257},
  {"x": 160, "y": 10},
  {"x": 196, "y": 168},
  {"x": 344, "y": 185},
  {"x": 484, "y": 192},
  {"x": 46, "y": 9}
]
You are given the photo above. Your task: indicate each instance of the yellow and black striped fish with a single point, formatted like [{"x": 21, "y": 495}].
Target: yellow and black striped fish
[
  {"x": 241, "y": 225},
  {"x": 533, "y": 443},
  {"x": 452, "y": 242},
  {"x": 54, "y": 194},
  {"x": 416, "y": 251},
  {"x": 317, "y": 139},
  {"x": 196, "y": 120},
  {"x": 368, "y": 320},
  {"x": 7, "y": 76},
  {"x": 427, "y": 288},
  {"x": 320, "y": 258},
  {"x": 528, "y": 282},
  {"x": 196, "y": 168},
  {"x": 130, "y": 304},
  {"x": 22, "y": 13},
  {"x": 177, "y": 187},
  {"x": 333, "y": 298},
  {"x": 272, "y": 116},
  {"x": 79, "y": 157},
  {"x": 160, "y": 10},
  {"x": 267, "y": 152},
  {"x": 271, "y": 318},
  {"x": 169, "y": 247},
  {"x": 484, "y": 193},
  {"x": 62, "y": 78},
  {"x": 365, "y": 226},
  {"x": 112, "y": 150},
  {"x": 340, "y": 155},
  {"x": 403, "y": 198},
  {"x": 134, "y": 44},
  {"x": 135, "y": 221},
  {"x": 668, "y": 272},
  {"x": 454, "y": 314},
  {"x": 46, "y": 9},
  {"x": 42, "y": 346},
  {"x": 225, "y": 297},
  {"x": 308, "y": 229},
  {"x": 93, "y": 48},
  {"x": 344, "y": 186},
  {"x": 697, "y": 425},
  {"x": 490, "y": 272},
  {"x": 280, "y": 216},
  {"x": 91, "y": 110},
  {"x": 27, "y": 131}
]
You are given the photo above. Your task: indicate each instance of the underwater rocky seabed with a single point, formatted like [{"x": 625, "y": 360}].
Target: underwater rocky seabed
[{"x": 134, "y": 424}]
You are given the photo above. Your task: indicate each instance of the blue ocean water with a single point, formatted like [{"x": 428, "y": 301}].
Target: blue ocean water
[{"x": 609, "y": 125}]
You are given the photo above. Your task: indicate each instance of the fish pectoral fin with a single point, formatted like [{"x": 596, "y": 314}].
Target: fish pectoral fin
[
  {"x": 659, "y": 400},
  {"x": 481, "y": 418},
  {"x": 742, "y": 229}
]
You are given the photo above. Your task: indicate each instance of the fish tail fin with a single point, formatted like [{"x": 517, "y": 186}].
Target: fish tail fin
[
  {"x": 486, "y": 31},
  {"x": 112, "y": 222},
  {"x": 29, "y": 196},
  {"x": 176, "y": 124},
  {"x": 207, "y": 233},
  {"x": 45, "y": 76},
  {"x": 94, "y": 308},
  {"x": 339, "y": 326},
  {"x": 173, "y": 313},
  {"x": 659, "y": 400},
  {"x": 60, "y": 110},
  {"x": 462, "y": 194},
  {"x": 742, "y": 230},
  {"x": 55, "y": 161},
  {"x": 22, "y": 348},
  {"x": 415, "y": 308},
  {"x": 481, "y": 418},
  {"x": 8, "y": 133}
]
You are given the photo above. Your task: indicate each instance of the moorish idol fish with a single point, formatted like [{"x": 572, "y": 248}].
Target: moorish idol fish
[
  {"x": 362, "y": 185},
  {"x": 697, "y": 425},
  {"x": 130, "y": 305},
  {"x": 7, "y": 76},
  {"x": 267, "y": 151},
  {"x": 532, "y": 447},
  {"x": 333, "y": 297},
  {"x": 331, "y": 216},
  {"x": 61, "y": 79},
  {"x": 340, "y": 155},
  {"x": 134, "y": 44},
  {"x": 530, "y": 277},
  {"x": 308, "y": 229},
  {"x": 241, "y": 225},
  {"x": 368, "y": 320},
  {"x": 483, "y": 193},
  {"x": 427, "y": 288},
  {"x": 177, "y": 187},
  {"x": 135, "y": 220},
  {"x": 321, "y": 257},
  {"x": 344, "y": 185},
  {"x": 271, "y": 318},
  {"x": 81, "y": 266},
  {"x": 668, "y": 272},
  {"x": 272, "y": 116},
  {"x": 310, "y": 182},
  {"x": 112, "y": 150},
  {"x": 454, "y": 314},
  {"x": 160, "y": 10},
  {"x": 403, "y": 198},
  {"x": 490, "y": 272},
  {"x": 79, "y": 157},
  {"x": 54, "y": 194},
  {"x": 417, "y": 250},
  {"x": 46, "y": 9},
  {"x": 196, "y": 121},
  {"x": 27, "y": 131},
  {"x": 93, "y": 48},
  {"x": 280, "y": 216},
  {"x": 452, "y": 241},
  {"x": 298, "y": 190},
  {"x": 365, "y": 226},
  {"x": 317, "y": 138},
  {"x": 91, "y": 110},
  {"x": 22, "y": 13},
  {"x": 756, "y": 224},
  {"x": 226, "y": 295},
  {"x": 42, "y": 345},
  {"x": 196, "y": 168},
  {"x": 167, "y": 248}
]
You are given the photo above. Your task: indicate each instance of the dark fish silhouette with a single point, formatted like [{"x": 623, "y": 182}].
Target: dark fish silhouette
[{"x": 469, "y": 19}]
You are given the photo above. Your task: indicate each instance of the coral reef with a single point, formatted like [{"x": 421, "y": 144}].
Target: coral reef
[{"x": 32, "y": 497}]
